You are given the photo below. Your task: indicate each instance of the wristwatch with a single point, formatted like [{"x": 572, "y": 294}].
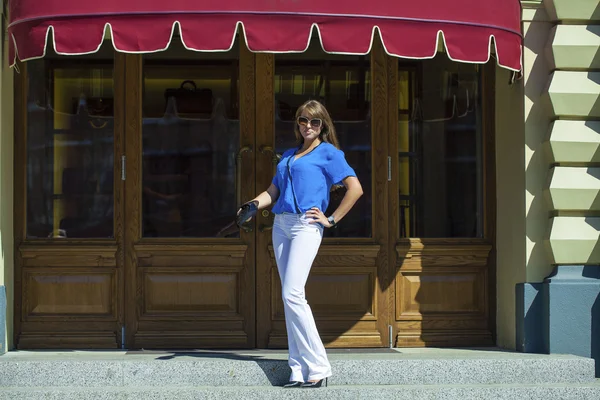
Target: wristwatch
[{"x": 331, "y": 220}]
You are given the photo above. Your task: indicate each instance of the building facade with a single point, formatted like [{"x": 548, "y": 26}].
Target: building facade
[
  {"x": 121, "y": 174},
  {"x": 558, "y": 310}
]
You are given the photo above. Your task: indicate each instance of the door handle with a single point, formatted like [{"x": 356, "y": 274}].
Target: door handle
[
  {"x": 274, "y": 160},
  {"x": 274, "y": 156},
  {"x": 265, "y": 227},
  {"x": 238, "y": 180}
]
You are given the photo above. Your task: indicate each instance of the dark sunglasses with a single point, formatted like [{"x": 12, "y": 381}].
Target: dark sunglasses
[{"x": 315, "y": 122}]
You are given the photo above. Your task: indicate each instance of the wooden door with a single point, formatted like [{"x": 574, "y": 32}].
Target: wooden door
[
  {"x": 441, "y": 202},
  {"x": 190, "y": 154},
  {"x": 69, "y": 201},
  {"x": 349, "y": 285}
]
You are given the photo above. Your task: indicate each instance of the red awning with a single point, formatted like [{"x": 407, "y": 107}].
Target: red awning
[{"x": 408, "y": 28}]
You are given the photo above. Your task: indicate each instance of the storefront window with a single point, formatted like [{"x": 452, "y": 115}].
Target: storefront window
[
  {"x": 440, "y": 151},
  {"x": 70, "y": 149},
  {"x": 190, "y": 141},
  {"x": 342, "y": 84}
]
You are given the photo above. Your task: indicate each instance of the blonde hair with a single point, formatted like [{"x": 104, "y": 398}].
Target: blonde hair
[{"x": 317, "y": 110}]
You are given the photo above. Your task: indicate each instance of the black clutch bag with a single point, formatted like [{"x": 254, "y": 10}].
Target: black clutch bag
[{"x": 247, "y": 211}]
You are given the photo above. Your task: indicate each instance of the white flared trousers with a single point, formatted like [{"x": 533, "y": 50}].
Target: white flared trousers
[{"x": 296, "y": 243}]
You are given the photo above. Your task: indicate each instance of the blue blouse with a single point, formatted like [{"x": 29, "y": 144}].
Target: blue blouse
[{"x": 310, "y": 178}]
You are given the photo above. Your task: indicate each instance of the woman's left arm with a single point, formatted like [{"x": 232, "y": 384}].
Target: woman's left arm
[{"x": 353, "y": 192}]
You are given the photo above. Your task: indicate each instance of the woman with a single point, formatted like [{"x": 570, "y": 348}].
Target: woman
[{"x": 300, "y": 188}]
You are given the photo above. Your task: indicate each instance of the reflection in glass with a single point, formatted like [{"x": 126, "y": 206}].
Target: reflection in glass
[
  {"x": 439, "y": 151},
  {"x": 342, "y": 84},
  {"x": 70, "y": 149},
  {"x": 190, "y": 139}
]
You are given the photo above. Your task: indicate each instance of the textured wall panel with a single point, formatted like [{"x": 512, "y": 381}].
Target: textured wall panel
[
  {"x": 575, "y": 141},
  {"x": 572, "y": 9},
  {"x": 575, "y": 94},
  {"x": 574, "y": 240},
  {"x": 575, "y": 46},
  {"x": 575, "y": 188}
]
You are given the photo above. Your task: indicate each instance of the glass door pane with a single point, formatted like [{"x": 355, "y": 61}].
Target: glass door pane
[
  {"x": 439, "y": 151},
  {"x": 70, "y": 149},
  {"x": 190, "y": 143},
  {"x": 342, "y": 84}
]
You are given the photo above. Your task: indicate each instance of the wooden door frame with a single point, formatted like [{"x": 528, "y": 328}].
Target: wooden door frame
[
  {"x": 380, "y": 89},
  {"x": 265, "y": 133},
  {"x": 133, "y": 128},
  {"x": 488, "y": 82},
  {"x": 20, "y": 189},
  {"x": 106, "y": 250}
]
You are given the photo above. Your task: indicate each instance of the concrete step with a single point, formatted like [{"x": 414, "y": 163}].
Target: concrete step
[
  {"x": 406, "y": 392},
  {"x": 166, "y": 370}
]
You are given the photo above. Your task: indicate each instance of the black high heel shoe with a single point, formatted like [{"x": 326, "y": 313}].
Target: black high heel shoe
[
  {"x": 316, "y": 384},
  {"x": 293, "y": 384}
]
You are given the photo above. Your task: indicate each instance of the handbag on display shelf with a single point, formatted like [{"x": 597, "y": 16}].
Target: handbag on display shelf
[
  {"x": 190, "y": 100},
  {"x": 99, "y": 111}
]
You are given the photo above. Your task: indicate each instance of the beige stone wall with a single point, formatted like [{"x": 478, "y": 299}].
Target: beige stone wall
[
  {"x": 510, "y": 221},
  {"x": 522, "y": 122},
  {"x": 6, "y": 187}
]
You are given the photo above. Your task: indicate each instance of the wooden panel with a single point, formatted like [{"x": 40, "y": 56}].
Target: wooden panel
[
  {"x": 69, "y": 296},
  {"x": 193, "y": 339},
  {"x": 342, "y": 293},
  {"x": 338, "y": 255},
  {"x": 416, "y": 254},
  {"x": 465, "y": 325},
  {"x": 58, "y": 255},
  {"x": 334, "y": 293},
  {"x": 192, "y": 293},
  {"x": 431, "y": 338},
  {"x": 450, "y": 290},
  {"x": 336, "y": 334},
  {"x": 342, "y": 283},
  {"x": 441, "y": 292},
  {"x": 68, "y": 293},
  {"x": 67, "y": 340},
  {"x": 207, "y": 255},
  {"x": 339, "y": 293}
]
